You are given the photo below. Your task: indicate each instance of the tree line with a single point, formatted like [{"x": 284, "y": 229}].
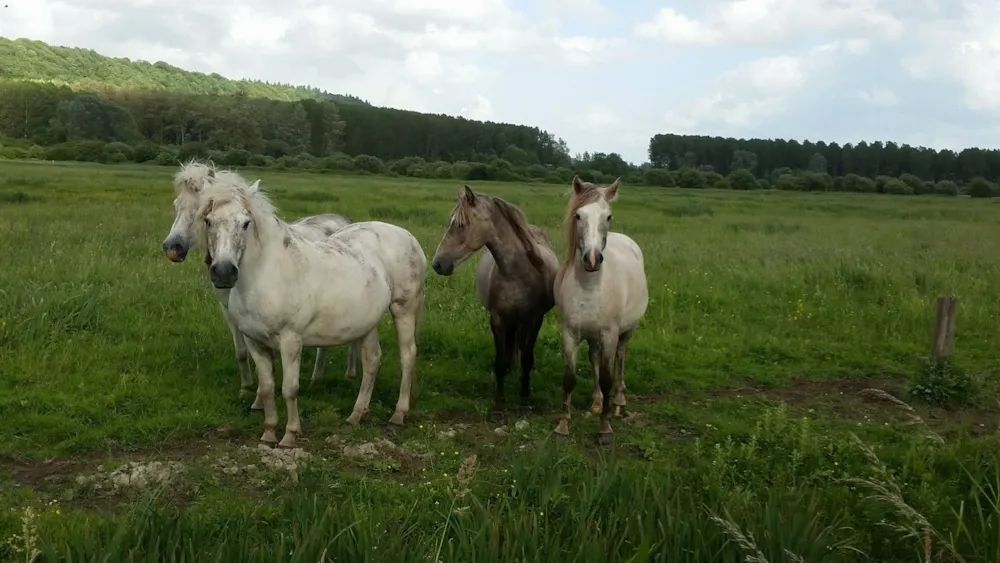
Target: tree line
[
  {"x": 73, "y": 104},
  {"x": 762, "y": 157}
]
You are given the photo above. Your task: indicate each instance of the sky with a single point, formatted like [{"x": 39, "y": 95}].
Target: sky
[{"x": 603, "y": 75}]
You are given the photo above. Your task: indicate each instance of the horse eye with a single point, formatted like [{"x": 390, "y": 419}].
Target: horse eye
[
  {"x": 246, "y": 224},
  {"x": 609, "y": 218},
  {"x": 207, "y": 222},
  {"x": 577, "y": 216}
]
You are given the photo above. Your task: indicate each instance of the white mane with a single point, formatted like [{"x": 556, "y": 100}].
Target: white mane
[
  {"x": 228, "y": 186},
  {"x": 192, "y": 175}
]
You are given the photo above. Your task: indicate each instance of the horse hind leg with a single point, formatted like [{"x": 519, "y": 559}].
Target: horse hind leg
[
  {"x": 594, "y": 350},
  {"x": 317, "y": 373},
  {"x": 371, "y": 361},
  {"x": 352, "y": 360},
  {"x": 620, "y": 355},
  {"x": 406, "y": 316},
  {"x": 528, "y": 336}
]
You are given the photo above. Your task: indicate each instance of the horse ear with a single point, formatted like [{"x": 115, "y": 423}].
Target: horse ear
[
  {"x": 611, "y": 193},
  {"x": 254, "y": 186},
  {"x": 468, "y": 195},
  {"x": 577, "y": 185}
]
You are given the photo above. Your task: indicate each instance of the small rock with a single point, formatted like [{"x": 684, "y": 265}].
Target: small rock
[
  {"x": 521, "y": 424},
  {"x": 445, "y": 434},
  {"x": 500, "y": 430}
]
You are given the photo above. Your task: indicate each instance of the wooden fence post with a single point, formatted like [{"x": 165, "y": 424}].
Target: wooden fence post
[{"x": 943, "y": 344}]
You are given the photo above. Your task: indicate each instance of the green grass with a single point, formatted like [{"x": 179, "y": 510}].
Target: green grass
[{"x": 768, "y": 313}]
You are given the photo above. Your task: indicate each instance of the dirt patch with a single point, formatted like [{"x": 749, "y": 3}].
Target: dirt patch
[
  {"x": 134, "y": 475},
  {"x": 870, "y": 400}
]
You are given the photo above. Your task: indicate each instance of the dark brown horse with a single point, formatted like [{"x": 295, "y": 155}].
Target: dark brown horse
[{"x": 513, "y": 281}]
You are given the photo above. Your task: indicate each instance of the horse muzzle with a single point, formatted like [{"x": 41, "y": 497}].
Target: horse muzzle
[
  {"x": 443, "y": 267},
  {"x": 224, "y": 274},
  {"x": 175, "y": 251},
  {"x": 592, "y": 260}
]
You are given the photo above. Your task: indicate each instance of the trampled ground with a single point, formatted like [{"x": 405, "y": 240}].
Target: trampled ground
[{"x": 772, "y": 316}]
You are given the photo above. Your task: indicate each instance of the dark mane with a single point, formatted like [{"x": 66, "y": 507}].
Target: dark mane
[{"x": 519, "y": 223}]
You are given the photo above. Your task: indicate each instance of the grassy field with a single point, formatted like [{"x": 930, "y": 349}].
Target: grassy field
[{"x": 751, "y": 431}]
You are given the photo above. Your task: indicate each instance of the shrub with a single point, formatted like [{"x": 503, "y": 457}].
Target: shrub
[
  {"x": 192, "y": 150},
  {"x": 742, "y": 179},
  {"x": 790, "y": 182},
  {"x": 690, "y": 178},
  {"x": 893, "y": 186},
  {"x": 659, "y": 177},
  {"x": 145, "y": 152},
  {"x": 980, "y": 187},
  {"x": 338, "y": 161},
  {"x": 946, "y": 187},
  {"x": 166, "y": 158},
  {"x": 368, "y": 163},
  {"x": 236, "y": 157},
  {"x": 916, "y": 184}
]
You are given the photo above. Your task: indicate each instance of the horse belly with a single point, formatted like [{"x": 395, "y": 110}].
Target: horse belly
[{"x": 344, "y": 313}]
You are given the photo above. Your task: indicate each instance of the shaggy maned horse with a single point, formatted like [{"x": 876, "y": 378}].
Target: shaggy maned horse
[
  {"x": 288, "y": 291},
  {"x": 188, "y": 183}
]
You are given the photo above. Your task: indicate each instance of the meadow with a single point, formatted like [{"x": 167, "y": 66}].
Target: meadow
[{"x": 779, "y": 404}]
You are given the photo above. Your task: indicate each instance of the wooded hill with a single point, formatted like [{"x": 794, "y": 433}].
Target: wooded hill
[{"x": 74, "y": 104}]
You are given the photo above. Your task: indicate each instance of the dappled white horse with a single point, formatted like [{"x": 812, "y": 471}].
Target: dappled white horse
[
  {"x": 188, "y": 183},
  {"x": 288, "y": 291},
  {"x": 600, "y": 294}
]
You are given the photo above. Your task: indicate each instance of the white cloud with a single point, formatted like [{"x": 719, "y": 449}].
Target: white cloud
[
  {"x": 770, "y": 22},
  {"x": 967, "y": 50},
  {"x": 481, "y": 109},
  {"x": 757, "y": 90},
  {"x": 881, "y": 97}
]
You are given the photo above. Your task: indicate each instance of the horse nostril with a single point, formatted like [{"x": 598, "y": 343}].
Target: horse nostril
[{"x": 600, "y": 258}]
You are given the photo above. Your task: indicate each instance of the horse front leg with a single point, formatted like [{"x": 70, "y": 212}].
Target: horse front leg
[
  {"x": 608, "y": 350},
  {"x": 242, "y": 358},
  {"x": 570, "y": 347},
  {"x": 502, "y": 355},
  {"x": 291, "y": 359},
  {"x": 594, "y": 350},
  {"x": 263, "y": 357}
]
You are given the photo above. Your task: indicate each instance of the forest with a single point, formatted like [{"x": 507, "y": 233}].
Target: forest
[{"x": 60, "y": 103}]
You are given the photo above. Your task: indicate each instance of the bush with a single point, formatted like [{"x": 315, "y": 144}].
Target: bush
[
  {"x": 536, "y": 171},
  {"x": 407, "y": 166},
  {"x": 166, "y": 158},
  {"x": 368, "y": 163},
  {"x": 659, "y": 177},
  {"x": 817, "y": 181},
  {"x": 946, "y": 187},
  {"x": 980, "y": 187},
  {"x": 192, "y": 150},
  {"x": 916, "y": 184},
  {"x": 764, "y": 184},
  {"x": 742, "y": 179},
  {"x": 90, "y": 151},
  {"x": 790, "y": 182},
  {"x": 13, "y": 153},
  {"x": 258, "y": 160},
  {"x": 145, "y": 152},
  {"x": 236, "y": 157},
  {"x": 115, "y": 153},
  {"x": 338, "y": 161},
  {"x": 893, "y": 186},
  {"x": 460, "y": 170},
  {"x": 690, "y": 178}
]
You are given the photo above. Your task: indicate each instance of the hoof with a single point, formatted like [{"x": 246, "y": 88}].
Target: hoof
[
  {"x": 398, "y": 418},
  {"x": 605, "y": 438},
  {"x": 596, "y": 408},
  {"x": 287, "y": 441},
  {"x": 499, "y": 417},
  {"x": 269, "y": 438},
  {"x": 524, "y": 410},
  {"x": 247, "y": 393},
  {"x": 350, "y": 375},
  {"x": 247, "y": 411},
  {"x": 562, "y": 428},
  {"x": 355, "y": 418},
  {"x": 618, "y": 410}
]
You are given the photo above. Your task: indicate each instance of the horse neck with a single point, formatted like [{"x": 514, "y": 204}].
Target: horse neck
[{"x": 506, "y": 248}]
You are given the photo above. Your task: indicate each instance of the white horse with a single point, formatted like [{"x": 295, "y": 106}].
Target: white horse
[
  {"x": 188, "y": 183},
  {"x": 601, "y": 295},
  {"x": 288, "y": 291}
]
